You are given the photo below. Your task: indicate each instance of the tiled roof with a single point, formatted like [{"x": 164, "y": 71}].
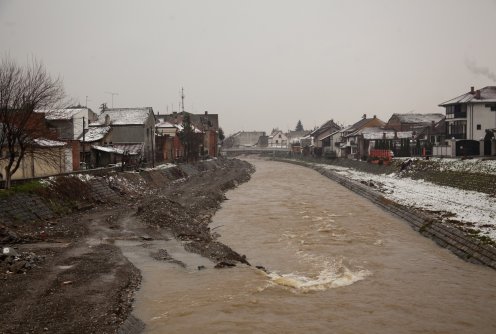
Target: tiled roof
[
  {"x": 126, "y": 116},
  {"x": 419, "y": 118},
  {"x": 60, "y": 114},
  {"x": 487, "y": 94}
]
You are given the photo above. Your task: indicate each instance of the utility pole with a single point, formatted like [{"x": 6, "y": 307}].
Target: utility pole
[
  {"x": 182, "y": 99},
  {"x": 84, "y": 153},
  {"x": 112, "y": 93}
]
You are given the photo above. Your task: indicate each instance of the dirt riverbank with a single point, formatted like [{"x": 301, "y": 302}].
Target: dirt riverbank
[{"x": 64, "y": 274}]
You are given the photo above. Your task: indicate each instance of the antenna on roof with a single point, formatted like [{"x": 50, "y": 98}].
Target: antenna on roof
[
  {"x": 111, "y": 93},
  {"x": 182, "y": 99}
]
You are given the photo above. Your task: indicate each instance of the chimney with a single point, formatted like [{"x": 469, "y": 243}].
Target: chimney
[
  {"x": 472, "y": 90},
  {"x": 206, "y": 112},
  {"x": 477, "y": 94},
  {"x": 107, "y": 120},
  {"x": 364, "y": 116},
  {"x": 375, "y": 116}
]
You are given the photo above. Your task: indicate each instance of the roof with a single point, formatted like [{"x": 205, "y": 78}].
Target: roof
[
  {"x": 132, "y": 148},
  {"x": 94, "y": 133},
  {"x": 165, "y": 125},
  {"x": 327, "y": 125},
  {"x": 487, "y": 94},
  {"x": 126, "y": 116},
  {"x": 49, "y": 143},
  {"x": 61, "y": 114},
  {"x": 376, "y": 133},
  {"x": 331, "y": 134},
  {"x": 354, "y": 129},
  {"x": 419, "y": 118}
]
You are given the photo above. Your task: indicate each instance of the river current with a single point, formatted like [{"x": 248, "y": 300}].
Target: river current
[{"x": 335, "y": 263}]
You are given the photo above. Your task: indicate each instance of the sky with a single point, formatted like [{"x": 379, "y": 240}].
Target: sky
[{"x": 259, "y": 64}]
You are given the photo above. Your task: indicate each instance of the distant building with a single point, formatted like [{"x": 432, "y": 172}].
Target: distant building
[
  {"x": 427, "y": 128},
  {"x": 278, "y": 139},
  {"x": 349, "y": 143},
  {"x": 245, "y": 139}
]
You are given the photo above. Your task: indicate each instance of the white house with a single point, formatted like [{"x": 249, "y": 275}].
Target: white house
[
  {"x": 468, "y": 116},
  {"x": 278, "y": 139},
  {"x": 69, "y": 122}
]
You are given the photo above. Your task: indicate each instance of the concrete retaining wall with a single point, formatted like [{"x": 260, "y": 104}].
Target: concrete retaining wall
[{"x": 463, "y": 245}]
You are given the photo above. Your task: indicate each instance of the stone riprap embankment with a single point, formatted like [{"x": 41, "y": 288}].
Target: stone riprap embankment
[{"x": 463, "y": 244}]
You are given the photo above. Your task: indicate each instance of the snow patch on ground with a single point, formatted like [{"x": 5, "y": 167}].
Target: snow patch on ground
[{"x": 474, "y": 209}]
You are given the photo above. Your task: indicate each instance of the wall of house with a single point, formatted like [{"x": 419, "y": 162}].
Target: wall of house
[
  {"x": 247, "y": 138},
  {"x": 479, "y": 114},
  {"x": 35, "y": 167},
  {"x": 278, "y": 140},
  {"x": 63, "y": 128}
]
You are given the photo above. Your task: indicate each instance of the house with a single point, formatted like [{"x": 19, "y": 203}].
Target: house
[
  {"x": 430, "y": 128},
  {"x": 470, "y": 119},
  {"x": 427, "y": 129},
  {"x": 206, "y": 123},
  {"x": 95, "y": 135},
  {"x": 246, "y": 139},
  {"x": 69, "y": 123},
  {"x": 44, "y": 158},
  {"x": 278, "y": 139},
  {"x": 168, "y": 144},
  {"x": 297, "y": 140},
  {"x": 321, "y": 135},
  {"x": 131, "y": 126},
  {"x": 350, "y": 136}
]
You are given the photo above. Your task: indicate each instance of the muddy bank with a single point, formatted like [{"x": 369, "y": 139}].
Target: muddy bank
[{"x": 64, "y": 273}]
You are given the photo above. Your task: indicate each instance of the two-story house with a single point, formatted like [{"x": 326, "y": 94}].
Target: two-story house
[
  {"x": 131, "y": 127},
  {"x": 278, "y": 139},
  {"x": 468, "y": 116},
  {"x": 350, "y": 143}
]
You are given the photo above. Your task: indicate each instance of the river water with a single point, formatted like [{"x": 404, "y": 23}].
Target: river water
[{"x": 336, "y": 263}]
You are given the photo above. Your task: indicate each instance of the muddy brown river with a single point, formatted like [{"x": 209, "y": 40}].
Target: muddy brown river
[{"x": 336, "y": 262}]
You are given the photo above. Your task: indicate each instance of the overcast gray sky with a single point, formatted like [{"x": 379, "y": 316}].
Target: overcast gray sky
[{"x": 260, "y": 64}]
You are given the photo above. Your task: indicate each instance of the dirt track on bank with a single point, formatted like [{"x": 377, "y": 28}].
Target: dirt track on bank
[{"x": 69, "y": 277}]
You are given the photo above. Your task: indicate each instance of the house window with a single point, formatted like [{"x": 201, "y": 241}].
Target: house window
[
  {"x": 277, "y": 141},
  {"x": 279, "y": 135},
  {"x": 456, "y": 111},
  {"x": 479, "y": 127},
  {"x": 457, "y": 130}
]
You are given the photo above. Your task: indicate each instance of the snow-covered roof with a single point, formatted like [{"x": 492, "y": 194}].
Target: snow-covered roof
[
  {"x": 419, "y": 118},
  {"x": 108, "y": 149},
  {"x": 163, "y": 124},
  {"x": 132, "y": 149},
  {"x": 49, "y": 143},
  {"x": 60, "y": 114},
  {"x": 487, "y": 94},
  {"x": 126, "y": 116},
  {"x": 94, "y": 133}
]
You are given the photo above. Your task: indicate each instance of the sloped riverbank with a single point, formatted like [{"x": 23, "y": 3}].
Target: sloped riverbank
[{"x": 65, "y": 274}]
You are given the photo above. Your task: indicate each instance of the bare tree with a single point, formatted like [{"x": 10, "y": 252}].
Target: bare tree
[{"x": 23, "y": 89}]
